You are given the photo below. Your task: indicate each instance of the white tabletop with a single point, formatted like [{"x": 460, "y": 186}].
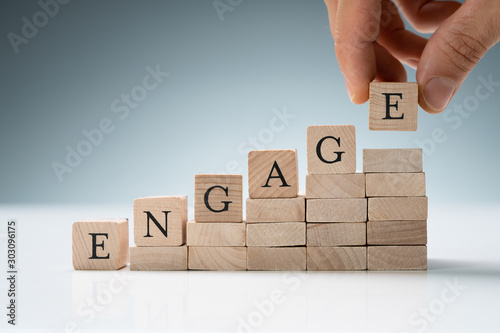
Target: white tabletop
[{"x": 459, "y": 292}]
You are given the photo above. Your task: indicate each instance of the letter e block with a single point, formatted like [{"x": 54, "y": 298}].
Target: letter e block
[
  {"x": 272, "y": 174},
  {"x": 331, "y": 149},
  {"x": 160, "y": 221},
  {"x": 393, "y": 106},
  {"x": 218, "y": 198},
  {"x": 100, "y": 244}
]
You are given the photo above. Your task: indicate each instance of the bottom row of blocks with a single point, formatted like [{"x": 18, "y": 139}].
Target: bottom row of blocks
[{"x": 278, "y": 258}]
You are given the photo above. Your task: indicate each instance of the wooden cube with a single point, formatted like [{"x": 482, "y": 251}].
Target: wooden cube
[
  {"x": 396, "y": 233},
  {"x": 336, "y": 210},
  {"x": 276, "y": 234},
  {"x": 393, "y": 106},
  {"x": 160, "y": 221},
  {"x": 215, "y": 234},
  {"x": 100, "y": 244},
  {"x": 351, "y": 258},
  {"x": 276, "y": 258},
  {"x": 158, "y": 258},
  {"x": 395, "y": 184},
  {"x": 216, "y": 258},
  {"x": 218, "y": 198},
  {"x": 392, "y": 160},
  {"x": 276, "y": 210},
  {"x": 336, "y": 234},
  {"x": 335, "y": 186},
  {"x": 397, "y": 208},
  {"x": 397, "y": 258},
  {"x": 331, "y": 149},
  {"x": 272, "y": 174}
]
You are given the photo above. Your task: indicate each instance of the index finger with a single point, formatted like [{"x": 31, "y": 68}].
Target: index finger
[{"x": 356, "y": 28}]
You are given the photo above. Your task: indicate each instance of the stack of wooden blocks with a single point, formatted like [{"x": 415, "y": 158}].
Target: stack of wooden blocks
[
  {"x": 275, "y": 215},
  {"x": 347, "y": 220},
  {"x": 336, "y": 203}
]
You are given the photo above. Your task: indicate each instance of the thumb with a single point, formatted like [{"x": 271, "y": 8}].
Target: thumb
[{"x": 453, "y": 51}]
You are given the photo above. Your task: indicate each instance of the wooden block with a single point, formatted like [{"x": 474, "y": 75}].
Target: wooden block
[
  {"x": 396, "y": 233},
  {"x": 395, "y": 184},
  {"x": 347, "y": 185},
  {"x": 158, "y": 258},
  {"x": 336, "y": 210},
  {"x": 276, "y": 210},
  {"x": 397, "y": 208},
  {"x": 100, "y": 244},
  {"x": 393, "y": 106},
  {"x": 336, "y": 234},
  {"x": 272, "y": 174},
  {"x": 336, "y": 258},
  {"x": 215, "y": 234},
  {"x": 331, "y": 149},
  {"x": 218, "y": 258},
  {"x": 392, "y": 160},
  {"x": 218, "y": 198},
  {"x": 276, "y": 258},
  {"x": 396, "y": 258},
  {"x": 160, "y": 221},
  {"x": 276, "y": 234}
]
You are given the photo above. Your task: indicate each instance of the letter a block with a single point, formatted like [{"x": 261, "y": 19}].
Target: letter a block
[
  {"x": 218, "y": 198},
  {"x": 100, "y": 244},
  {"x": 393, "y": 106},
  {"x": 160, "y": 221},
  {"x": 272, "y": 174},
  {"x": 331, "y": 149}
]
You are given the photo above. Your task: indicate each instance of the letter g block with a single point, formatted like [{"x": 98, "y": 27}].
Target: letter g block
[
  {"x": 218, "y": 198},
  {"x": 331, "y": 149}
]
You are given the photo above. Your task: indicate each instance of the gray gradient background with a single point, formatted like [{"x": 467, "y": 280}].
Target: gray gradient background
[{"x": 226, "y": 77}]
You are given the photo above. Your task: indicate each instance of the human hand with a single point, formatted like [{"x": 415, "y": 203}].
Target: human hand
[{"x": 371, "y": 43}]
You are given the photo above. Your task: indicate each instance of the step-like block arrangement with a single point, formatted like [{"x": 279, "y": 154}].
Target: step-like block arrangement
[{"x": 375, "y": 220}]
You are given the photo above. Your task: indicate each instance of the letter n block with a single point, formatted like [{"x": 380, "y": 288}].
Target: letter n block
[
  {"x": 218, "y": 198},
  {"x": 100, "y": 244},
  {"x": 331, "y": 149},
  {"x": 272, "y": 174},
  {"x": 393, "y": 106},
  {"x": 160, "y": 221}
]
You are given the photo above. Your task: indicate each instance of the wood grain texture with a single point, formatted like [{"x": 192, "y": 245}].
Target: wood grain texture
[
  {"x": 395, "y": 184},
  {"x": 261, "y": 165},
  {"x": 330, "y": 149},
  {"x": 175, "y": 222},
  {"x": 215, "y": 234},
  {"x": 158, "y": 258},
  {"x": 276, "y": 258},
  {"x": 397, "y": 208},
  {"x": 392, "y": 160},
  {"x": 276, "y": 234},
  {"x": 217, "y": 258},
  {"x": 397, "y": 258},
  {"x": 111, "y": 239},
  {"x": 336, "y": 210},
  {"x": 276, "y": 210},
  {"x": 225, "y": 207},
  {"x": 336, "y": 258},
  {"x": 347, "y": 185},
  {"x": 404, "y": 106},
  {"x": 396, "y": 233},
  {"x": 336, "y": 234}
]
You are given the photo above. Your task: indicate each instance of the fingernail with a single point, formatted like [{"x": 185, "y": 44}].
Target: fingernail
[
  {"x": 349, "y": 91},
  {"x": 438, "y": 92}
]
